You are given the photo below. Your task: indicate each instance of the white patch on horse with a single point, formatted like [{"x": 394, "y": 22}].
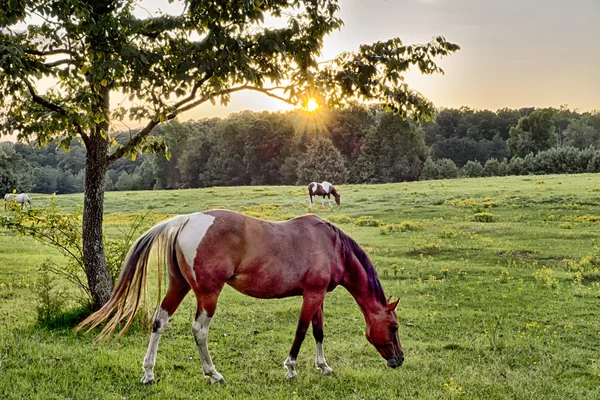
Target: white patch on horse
[
  {"x": 315, "y": 186},
  {"x": 290, "y": 365},
  {"x": 326, "y": 186},
  {"x": 200, "y": 331},
  {"x": 320, "y": 360},
  {"x": 192, "y": 234},
  {"x": 159, "y": 323}
]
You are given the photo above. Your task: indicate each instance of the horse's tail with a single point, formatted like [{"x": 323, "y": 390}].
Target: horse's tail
[{"x": 132, "y": 283}]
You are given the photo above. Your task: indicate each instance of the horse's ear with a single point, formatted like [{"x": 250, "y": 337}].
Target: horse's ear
[
  {"x": 392, "y": 306},
  {"x": 388, "y": 300}
]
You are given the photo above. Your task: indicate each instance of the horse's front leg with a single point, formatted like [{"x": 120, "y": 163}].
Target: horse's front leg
[
  {"x": 310, "y": 304},
  {"x": 317, "y": 325}
]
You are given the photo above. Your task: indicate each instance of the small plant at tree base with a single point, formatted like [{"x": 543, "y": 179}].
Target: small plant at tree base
[
  {"x": 50, "y": 299},
  {"x": 63, "y": 231}
]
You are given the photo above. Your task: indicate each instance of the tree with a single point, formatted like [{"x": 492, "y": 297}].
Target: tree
[
  {"x": 533, "y": 133},
  {"x": 96, "y": 51},
  {"x": 392, "y": 152},
  {"x": 322, "y": 162},
  {"x": 581, "y": 134}
]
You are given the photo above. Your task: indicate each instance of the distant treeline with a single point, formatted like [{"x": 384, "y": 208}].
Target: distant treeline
[{"x": 357, "y": 144}]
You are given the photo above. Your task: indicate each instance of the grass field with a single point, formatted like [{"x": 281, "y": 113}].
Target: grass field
[{"x": 498, "y": 280}]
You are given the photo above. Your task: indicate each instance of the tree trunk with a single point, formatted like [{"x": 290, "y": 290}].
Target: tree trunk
[{"x": 99, "y": 279}]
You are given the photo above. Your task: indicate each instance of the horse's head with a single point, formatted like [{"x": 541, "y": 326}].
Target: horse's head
[
  {"x": 382, "y": 332},
  {"x": 336, "y": 195}
]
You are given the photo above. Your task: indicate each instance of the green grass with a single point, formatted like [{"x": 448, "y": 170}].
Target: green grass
[{"x": 494, "y": 310}]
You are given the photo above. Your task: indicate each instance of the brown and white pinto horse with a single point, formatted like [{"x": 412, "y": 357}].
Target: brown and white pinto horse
[
  {"x": 305, "y": 256},
  {"x": 322, "y": 189}
]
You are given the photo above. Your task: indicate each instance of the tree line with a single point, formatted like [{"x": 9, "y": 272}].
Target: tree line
[{"x": 356, "y": 144}]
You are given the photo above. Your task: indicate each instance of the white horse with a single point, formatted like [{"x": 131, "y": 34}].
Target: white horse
[{"x": 19, "y": 199}]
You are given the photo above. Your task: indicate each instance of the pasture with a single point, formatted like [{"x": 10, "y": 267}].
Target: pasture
[{"x": 498, "y": 280}]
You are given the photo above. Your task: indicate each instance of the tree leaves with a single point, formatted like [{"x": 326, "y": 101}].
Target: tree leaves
[{"x": 160, "y": 64}]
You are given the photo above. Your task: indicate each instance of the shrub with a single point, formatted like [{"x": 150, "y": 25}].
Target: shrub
[
  {"x": 447, "y": 169},
  {"x": 340, "y": 219},
  {"x": 484, "y": 217},
  {"x": 493, "y": 167},
  {"x": 472, "y": 169},
  {"x": 430, "y": 170},
  {"x": 516, "y": 166},
  {"x": 546, "y": 276},
  {"x": 367, "y": 220},
  {"x": 440, "y": 169},
  {"x": 404, "y": 226}
]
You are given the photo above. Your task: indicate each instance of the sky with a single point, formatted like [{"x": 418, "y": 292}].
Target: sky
[{"x": 514, "y": 53}]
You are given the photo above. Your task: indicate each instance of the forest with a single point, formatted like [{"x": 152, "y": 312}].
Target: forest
[{"x": 357, "y": 144}]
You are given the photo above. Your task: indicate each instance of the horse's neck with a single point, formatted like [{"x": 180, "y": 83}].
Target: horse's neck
[{"x": 356, "y": 281}]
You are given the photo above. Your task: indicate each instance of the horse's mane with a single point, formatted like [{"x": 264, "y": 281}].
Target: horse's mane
[{"x": 349, "y": 248}]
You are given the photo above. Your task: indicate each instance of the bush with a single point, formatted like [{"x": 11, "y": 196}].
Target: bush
[
  {"x": 472, "y": 169},
  {"x": 493, "y": 167},
  {"x": 367, "y": 220},
  {"x": 484, "y": 217},
  {"x": 447, "y": 169},
  {"x": 430, "y": 170},
  {"x": 339, "y": 219},
  {"x": 404, "y": 226},
  {"x": 440, "y": 169},
  {"x": 516, "y": 166}
]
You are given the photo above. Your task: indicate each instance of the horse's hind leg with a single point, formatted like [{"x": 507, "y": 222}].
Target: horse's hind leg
[
  {"x": 310, "y": 304},
  {"x": 317, "y": 325},
  {"x": 207, "y": 304},
  {"x": 178, "y": 288}
]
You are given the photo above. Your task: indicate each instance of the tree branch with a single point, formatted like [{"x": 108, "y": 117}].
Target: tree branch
[
  {"x": 194, "y": 90},
  {"x": 57, "y": 63},
  {"x": 51, "y": 52},
  {"x": 53, "y": 107}
]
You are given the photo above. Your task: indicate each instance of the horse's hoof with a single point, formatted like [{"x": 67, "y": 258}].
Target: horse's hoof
[
  {"x": 217, "y": 378},
  {"x": 325, "y": 370},
  {"x": 290, "y": 375},
  {"x": 147, "y": 379}
]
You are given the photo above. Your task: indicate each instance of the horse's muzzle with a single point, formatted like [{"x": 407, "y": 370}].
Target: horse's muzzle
[{"x": 395, "y": 361}]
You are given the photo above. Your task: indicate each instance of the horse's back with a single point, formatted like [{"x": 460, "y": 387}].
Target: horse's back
[
  {"x": 267, "y": 259},
  {"x": 22, "y": 198}
]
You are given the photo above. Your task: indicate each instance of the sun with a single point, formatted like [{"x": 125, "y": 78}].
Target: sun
[{"x": 311, "y": 104}]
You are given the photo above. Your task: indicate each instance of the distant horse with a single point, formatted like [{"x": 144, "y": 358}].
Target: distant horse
[
  {"x": 22, "y": 199},
  {"x": 322, "y": 189},
  {"x": 305, "y": 256},
  {"x": 17, "y": 198}
]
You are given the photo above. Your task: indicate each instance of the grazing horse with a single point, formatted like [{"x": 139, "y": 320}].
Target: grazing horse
[
  {"x": 18, "y": 198},
  {"x": 22, "y": 199},
  {"x": 323, "y": 189},
  {"x": 305, "y": 256}
]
